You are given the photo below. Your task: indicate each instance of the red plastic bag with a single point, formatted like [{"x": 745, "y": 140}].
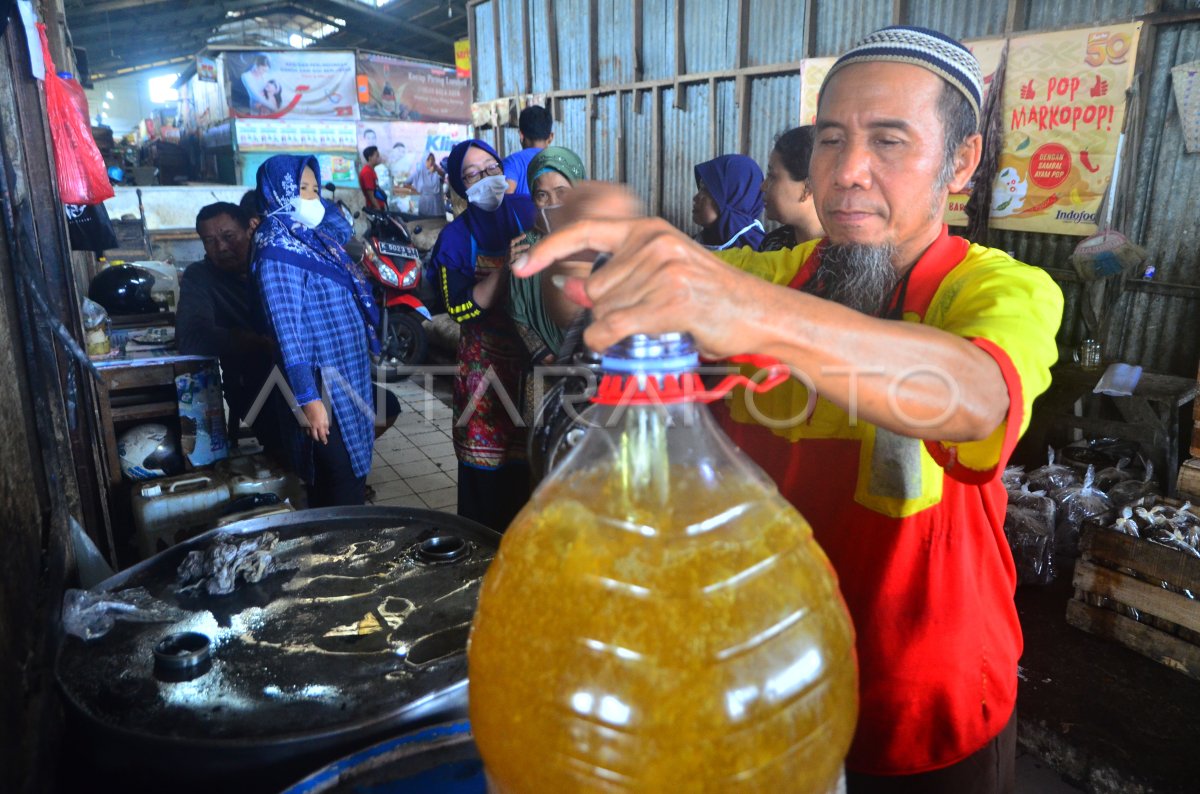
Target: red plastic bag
[{"x": 82, "y": 177}]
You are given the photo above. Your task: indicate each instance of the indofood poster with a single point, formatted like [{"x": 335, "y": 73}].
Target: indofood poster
[{"x": 1064, "y": 106}]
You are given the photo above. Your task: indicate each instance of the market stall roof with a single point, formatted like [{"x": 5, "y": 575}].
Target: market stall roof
[{"x": 123, "y": 36}]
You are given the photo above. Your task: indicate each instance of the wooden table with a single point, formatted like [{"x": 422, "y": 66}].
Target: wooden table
[
  {"x": 1150, "y": 417},
  {"x": 125, "y": 379}
]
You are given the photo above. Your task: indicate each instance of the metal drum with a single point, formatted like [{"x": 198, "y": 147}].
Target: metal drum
[
  {"x": 360, "y": 634},
  {"x": 441, "y": 759}
]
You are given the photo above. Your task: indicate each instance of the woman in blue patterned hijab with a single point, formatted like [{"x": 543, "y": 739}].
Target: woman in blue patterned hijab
[{"x": 320, "y": 312}]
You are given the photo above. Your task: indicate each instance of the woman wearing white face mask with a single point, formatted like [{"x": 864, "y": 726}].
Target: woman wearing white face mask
[
  {"x": 319, "y": 309},
  {"x": 471, "y": 262}
]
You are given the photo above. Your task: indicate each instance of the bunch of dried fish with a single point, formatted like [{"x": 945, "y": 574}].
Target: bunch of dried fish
[
  {"x": 1053, "y": 476},
  {"x": 217, "y": 569},
  {"x": 1178, "y": 528}
]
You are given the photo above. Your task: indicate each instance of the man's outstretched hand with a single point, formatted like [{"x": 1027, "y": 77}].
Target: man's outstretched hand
[{"x": 658, "y": 281}]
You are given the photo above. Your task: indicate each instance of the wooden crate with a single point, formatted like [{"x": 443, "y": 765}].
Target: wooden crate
[
  {"x": 1195, "y": 449},
  {"x": 1188, "y": 484},
  {"x": 1196, "y": 429},
  {"x": 1106, "y": 557}
]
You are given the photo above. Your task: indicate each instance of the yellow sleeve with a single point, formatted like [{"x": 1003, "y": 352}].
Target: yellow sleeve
[
  {"x": 777, "y": 267},
  {"x": 1012, "y": 311}
]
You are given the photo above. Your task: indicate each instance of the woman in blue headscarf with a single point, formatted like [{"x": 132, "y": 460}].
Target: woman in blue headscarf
[
  {"x": 321, "y": 312},
  {"x": 471, "y": 264},
  {"x": 728, "y": 202}
]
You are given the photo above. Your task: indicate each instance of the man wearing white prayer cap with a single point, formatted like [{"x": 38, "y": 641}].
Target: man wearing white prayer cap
[{"x": 918, "y": 354}]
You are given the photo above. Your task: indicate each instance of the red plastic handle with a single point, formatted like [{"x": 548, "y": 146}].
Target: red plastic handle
[
  {"x": 777, "y": 373},
  {"x": 626, "y": 390}
]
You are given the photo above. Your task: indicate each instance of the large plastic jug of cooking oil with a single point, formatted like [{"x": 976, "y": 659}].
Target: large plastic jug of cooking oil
[{"x": 658, "y": 617}]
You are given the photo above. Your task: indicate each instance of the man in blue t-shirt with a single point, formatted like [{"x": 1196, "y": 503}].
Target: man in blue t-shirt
[{"x": 536, "y": 134}]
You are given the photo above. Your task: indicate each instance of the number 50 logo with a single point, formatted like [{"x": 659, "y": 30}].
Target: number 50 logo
[{"x": 1104, "y": 46}]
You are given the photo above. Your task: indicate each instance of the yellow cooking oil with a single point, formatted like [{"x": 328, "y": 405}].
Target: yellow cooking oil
[{"x": 660, "y": 619}]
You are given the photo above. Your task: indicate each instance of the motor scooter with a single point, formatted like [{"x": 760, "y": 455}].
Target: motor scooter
[{"x": 394, "y": 266}]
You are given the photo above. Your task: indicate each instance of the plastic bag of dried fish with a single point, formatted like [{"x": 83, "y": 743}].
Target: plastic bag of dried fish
[
  {"x": 1053, "y": 476},
  {"x": 218, "y": 568},
  {"x": 1077, "y": 504},
  {"x": 1013, "y": 478},
  {"x": 1134, "y": 491},
  {"x": 1029, "y": 527},
  {"x": 1106, "y": 478}
]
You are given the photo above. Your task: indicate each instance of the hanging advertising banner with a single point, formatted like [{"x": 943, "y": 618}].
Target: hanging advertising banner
[
  {"x": 462, "y": 58},
  {"x": 988, "y": 52},
  {"x": 1064, "y": 106},
  {"x": 405, "y": 146},
  {"x": 402, "y": 90},
  {"x": 340, "y": 169},
  {"x": 300, "y": 84},
  {"x": 268, "y": 135},
  {"x": 206, "y": 69},
  {"x": 812, "y": 74}
]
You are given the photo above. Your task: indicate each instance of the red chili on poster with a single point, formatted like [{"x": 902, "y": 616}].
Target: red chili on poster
[{"x": 1050, "y": 166}]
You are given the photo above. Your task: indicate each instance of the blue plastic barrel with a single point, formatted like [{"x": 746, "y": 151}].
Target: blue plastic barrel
[{"x": 440, "y": 758}]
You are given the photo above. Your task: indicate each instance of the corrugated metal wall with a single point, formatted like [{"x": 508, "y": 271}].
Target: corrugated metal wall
[
  {"x": 637, "y": 118},
  {"x": 776, "y": 32},
  {"x": 512, "y": 29},
  {"x": 614, "y": 42},
  {"x": 960, "y": 20},
  {"x": 774, "y": 107},
  {"x": 1156, "y": 324},
  {"x": 841, "y": 23},
  {"x": 483, "y": 73}
]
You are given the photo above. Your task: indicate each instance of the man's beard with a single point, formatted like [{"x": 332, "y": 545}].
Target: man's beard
[{"x": 858, "y": 276}]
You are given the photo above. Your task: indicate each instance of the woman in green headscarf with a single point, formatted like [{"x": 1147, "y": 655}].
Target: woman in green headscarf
[{"x": 552, "y": 174}]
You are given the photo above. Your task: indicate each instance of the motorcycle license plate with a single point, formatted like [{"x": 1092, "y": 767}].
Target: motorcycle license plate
[{"x": 395, "y": 249}]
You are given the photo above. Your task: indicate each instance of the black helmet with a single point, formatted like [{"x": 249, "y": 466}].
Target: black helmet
[{"x": 124, "y": 289}]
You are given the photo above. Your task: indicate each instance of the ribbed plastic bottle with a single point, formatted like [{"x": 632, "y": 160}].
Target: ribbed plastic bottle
[{"x": 659, "y": 618}]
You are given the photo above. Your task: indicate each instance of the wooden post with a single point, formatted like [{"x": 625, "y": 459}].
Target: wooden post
[
  {"x": 621, "y": 169},
  {"x": 526, "y": 36},
  {"x": 742, "y": 100},
  {"x": 656, "y": 152},
  {"x": 680, "y": 55},
  {"x": 593, "y": 44},
  {"x": 555, "y": 39},
  {"x": 500, "y": 147},
  {"x": 639, "y": 60},
  {"x": 714, "y": 146},
  {"x": 1016, "y": 18},
  {"x": 589, "y": 131},
  {"x": 743, "y": 34},
  {"x": 810, "y": 28},
  {"x": 472, "y": 38}
]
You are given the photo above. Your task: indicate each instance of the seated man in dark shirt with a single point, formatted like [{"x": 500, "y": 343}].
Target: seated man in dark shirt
[{"x": 214, "y": 313}]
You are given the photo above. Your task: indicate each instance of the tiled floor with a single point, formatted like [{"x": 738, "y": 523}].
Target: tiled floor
[{"x": 414, "y": 460}]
